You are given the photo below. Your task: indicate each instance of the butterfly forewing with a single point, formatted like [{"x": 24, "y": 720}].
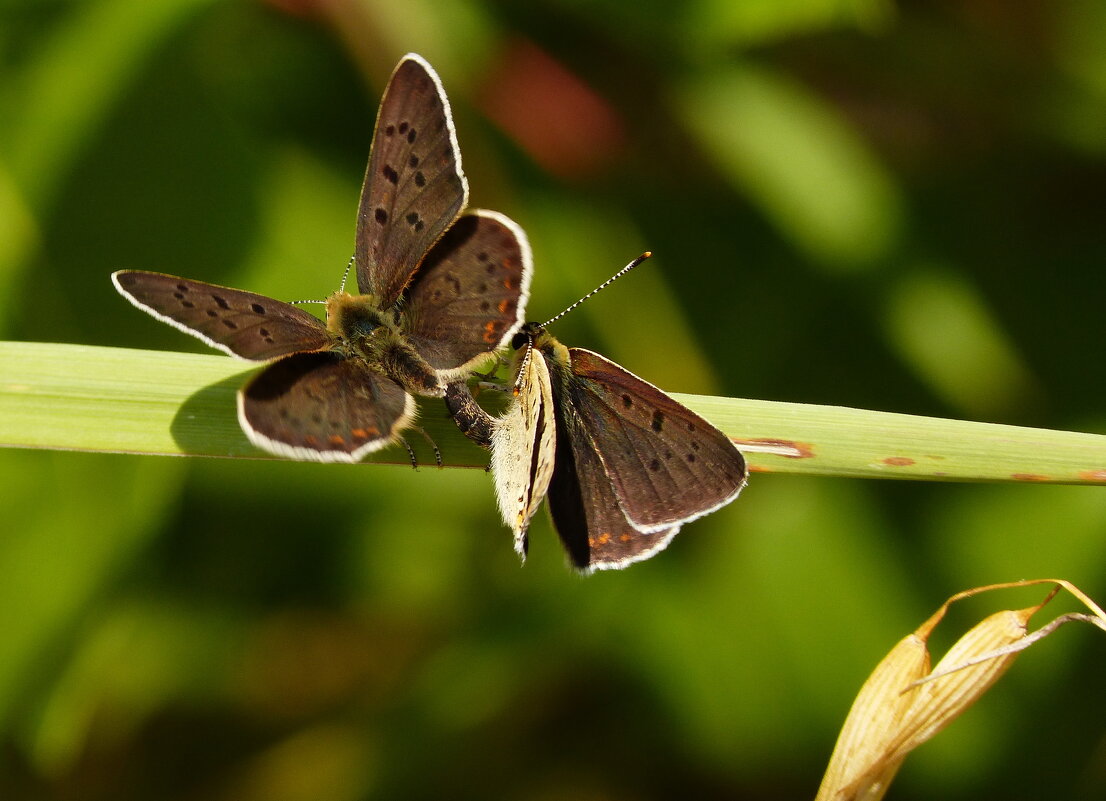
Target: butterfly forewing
[
  {"x": 666, "y": 464},
  {"x": 240, "y": 323},
  {"x": 470, "y": 293},
  {"x": 523, "y": 445},
  {"x": 585, "y": 512},
  {"x": 414, "y": 187},
  {"x": 323, "y": 407}
]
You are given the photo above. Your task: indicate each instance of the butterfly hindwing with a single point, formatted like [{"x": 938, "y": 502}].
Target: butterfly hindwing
[
  {"x": 468, "y": 296},
  {"x": 240, "y": 323},
  {"x": 323, "y": 407},
  {"x": 585, "y": 512},
  {"x": 414, "y": 187},
  {"x": 666, "y": 464}
]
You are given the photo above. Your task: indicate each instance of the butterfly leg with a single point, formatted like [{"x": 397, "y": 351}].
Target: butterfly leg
[
  {"x": 410, "y": 452},
  {"x": 490, "y": 377},
  {"x": 431, "y": 443}
]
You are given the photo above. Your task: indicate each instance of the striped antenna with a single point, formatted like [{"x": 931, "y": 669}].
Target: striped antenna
[
  {"x": 342, "y": 288},
  {"x": 345, "y": 275},
  {"x": 525, "y": 363},
  {"x": 647, "y": 254}
]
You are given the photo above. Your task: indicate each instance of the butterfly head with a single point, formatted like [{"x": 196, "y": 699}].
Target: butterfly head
[
  {"x": 356, "y": 321},
  {"x": 531, "y": 338},
  {"x": 526, "y": 336}
]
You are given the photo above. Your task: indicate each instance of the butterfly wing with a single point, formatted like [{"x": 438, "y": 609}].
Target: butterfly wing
[
  {"x": 585, "y": 511},
  {"x": 323, "y": 407},
  {"x": 523, "y": 445},
  {"x": 469, "y": 296},
  {"x": 666, "y": 464},
  {"x": 239, "y": 323},
  {"x": 414, "y": 188}
]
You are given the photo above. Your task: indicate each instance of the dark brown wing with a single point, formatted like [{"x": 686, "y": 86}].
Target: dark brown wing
[
  {"x": 322, "y": 407},
  {"x": 469, "y": 296},
  {"x": 586, "y": 512},
  {"x": 414, "y": 188},
  {"x": 667, "y": 465},
  {"x": 236, "y": 322}
]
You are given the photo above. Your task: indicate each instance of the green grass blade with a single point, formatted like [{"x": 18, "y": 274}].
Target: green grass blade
[{"x": 87, "y": 398}]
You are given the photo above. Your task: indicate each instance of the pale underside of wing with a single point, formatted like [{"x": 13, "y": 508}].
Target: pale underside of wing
[
  {"x": 323, "y": 407},
  {"x": 236, "y": 322},
  {"x": 414, "y": 187},
  {"x": 666, "y": 464},
  {"x": 469, "y": 296},
  {"x": 523, "y": 446}
]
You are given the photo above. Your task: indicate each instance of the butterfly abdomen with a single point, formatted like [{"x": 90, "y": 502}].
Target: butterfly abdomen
[
  {"x": 404, "y": 364},
  {"x": 471, "y": 419}
]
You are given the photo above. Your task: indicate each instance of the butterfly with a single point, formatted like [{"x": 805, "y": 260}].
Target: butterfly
[
  {"x": 621, "y": 464},
  {"x": 441, "y": 291}
]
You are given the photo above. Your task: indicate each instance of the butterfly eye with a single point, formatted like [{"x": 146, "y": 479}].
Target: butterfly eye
[{"x": 519, "y": 340}]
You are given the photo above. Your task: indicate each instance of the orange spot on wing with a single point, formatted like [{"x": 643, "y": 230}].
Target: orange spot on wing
[
  {"x": 360, "y": 433},
  {"x": 503, "y": 305},
  {"x": 336, "y": 440},
  {"x": 624, "y": 537},
  {"x": 311, "y": 440}
]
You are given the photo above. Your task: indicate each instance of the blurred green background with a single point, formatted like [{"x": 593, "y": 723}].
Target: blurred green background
[{"x": 896, "y": 206}]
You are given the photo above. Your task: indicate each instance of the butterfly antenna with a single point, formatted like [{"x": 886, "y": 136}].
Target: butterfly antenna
[
  {"x": 342, "y": 288},
  {"x": 345, "y": 275},
  {"x": 525, "y": 363},
  {"x": 647, "y": 254}
]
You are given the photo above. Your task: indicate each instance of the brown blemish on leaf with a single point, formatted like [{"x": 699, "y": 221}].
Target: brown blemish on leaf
[
  {"x": 1093, "y": 475},
  {"x": 1028, "y": 477},
  {"x": 898, "y": 461}
]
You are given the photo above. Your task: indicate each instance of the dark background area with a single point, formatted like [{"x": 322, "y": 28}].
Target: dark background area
[{"x": 894, "y": 206}]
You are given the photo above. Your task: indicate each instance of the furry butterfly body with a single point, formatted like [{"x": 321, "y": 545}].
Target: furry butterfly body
[
  {"x": 440, "y": 291},
  {"x": 621, "y": 464}
]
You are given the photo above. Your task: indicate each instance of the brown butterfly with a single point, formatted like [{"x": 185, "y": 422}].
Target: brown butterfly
[
  {"x": 621, "y": 464},
  {"x": 440, "y": 292}
]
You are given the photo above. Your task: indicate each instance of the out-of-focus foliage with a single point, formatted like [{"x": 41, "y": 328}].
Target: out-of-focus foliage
[{"x": 887, "y": 206}]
